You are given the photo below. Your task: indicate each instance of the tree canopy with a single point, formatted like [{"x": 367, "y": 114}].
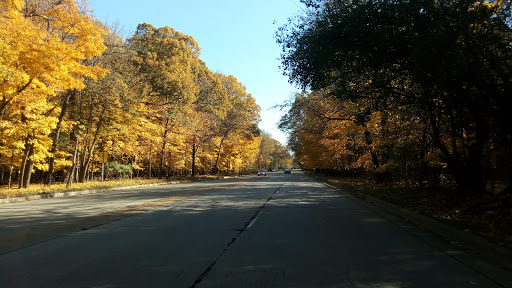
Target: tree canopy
[
  {"x": 443, "y": 67},
  {"x": 71, "y": 87}
]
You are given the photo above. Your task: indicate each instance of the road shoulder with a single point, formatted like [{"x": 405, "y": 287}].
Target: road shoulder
[{"x": 471, "y": 250}]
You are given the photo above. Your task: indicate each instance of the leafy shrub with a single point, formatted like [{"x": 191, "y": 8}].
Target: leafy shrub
[{"x": 115, "y": 170}]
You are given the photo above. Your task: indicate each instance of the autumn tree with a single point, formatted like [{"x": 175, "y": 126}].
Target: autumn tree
[
  {"x": 240, "y": 152},
  {"x": 241, "y": 116},
  {"x": 343, "y": 137},
  {"x": 208, "y": 106},
  {"x": 45, "y": 44},
  {"x": 116, "y": 58},
  {"x": 446, "y": 62},
  {"x": 70, "y": 88},
  {"x": 272, "y": 154},
  {"x": 168, "y": 60}
]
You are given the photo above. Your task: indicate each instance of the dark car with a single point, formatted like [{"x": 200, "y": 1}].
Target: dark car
[
  {"x": 262, "y": 172},
  {"x": 287, "y": 171}
]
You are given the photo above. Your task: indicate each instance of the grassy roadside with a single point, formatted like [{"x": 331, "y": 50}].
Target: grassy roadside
[
  {"x": 37, "y": 189},
  {"x": 483, "y": 216}
]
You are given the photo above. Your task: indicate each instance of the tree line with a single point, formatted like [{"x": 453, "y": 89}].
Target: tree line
[
  {"x": 71, "y": 87},
  {"x": 410, "y": 91}
]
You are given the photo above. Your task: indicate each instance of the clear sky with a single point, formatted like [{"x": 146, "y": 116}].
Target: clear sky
[{"x": 236, "y": 37}]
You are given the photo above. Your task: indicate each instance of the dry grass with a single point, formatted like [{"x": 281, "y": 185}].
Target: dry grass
[{"x": 36, "y": 189}]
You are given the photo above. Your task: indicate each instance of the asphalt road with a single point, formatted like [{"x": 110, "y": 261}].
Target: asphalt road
[{"x": 275, "y": 231}]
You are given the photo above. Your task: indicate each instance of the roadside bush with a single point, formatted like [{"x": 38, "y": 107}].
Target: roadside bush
[
  {"x": 115, "y": 170},
  {"x": 249, "y": 172}
]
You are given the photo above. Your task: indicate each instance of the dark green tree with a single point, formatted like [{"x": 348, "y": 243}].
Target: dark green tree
[{"x": 449, "y": 61}]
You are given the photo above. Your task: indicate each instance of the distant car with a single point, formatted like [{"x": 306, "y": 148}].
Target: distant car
[
  {"x": 287, "y": 171},
  {"x": 262, "y": 172}
]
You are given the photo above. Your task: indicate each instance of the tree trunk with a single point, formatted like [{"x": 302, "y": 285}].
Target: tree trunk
[
  {"x": 26, "y": 166},
  {"x": 384, "y": 135},
  {"x": 149, "y": 173},
  {"x": 368, "y": 141},
  {"x": 87, "y": 160},
  {"x": 51, "y": 162},
  {"x": 162, "y": 152},
  {"x": 194, "y": 157},
  {"x": 73, "y": 166},
  {"x": 468, "y": 173},
  {"x": 9, "y": 183},
  {"x": 22, "y": 168},
  {"x": 77, "y": 167},
  {"x": 11, "y": 168},
  {"x": 216, "y": 167}
]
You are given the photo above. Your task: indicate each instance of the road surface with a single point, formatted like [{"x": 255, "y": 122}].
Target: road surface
[{"x": 281, "y": 230}]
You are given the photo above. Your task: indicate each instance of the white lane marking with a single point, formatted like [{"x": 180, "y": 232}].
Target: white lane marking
[{"x": 252, "y": 223}]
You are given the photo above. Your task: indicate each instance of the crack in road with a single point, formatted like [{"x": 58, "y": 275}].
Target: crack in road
[{"x": 247, "y": 226}]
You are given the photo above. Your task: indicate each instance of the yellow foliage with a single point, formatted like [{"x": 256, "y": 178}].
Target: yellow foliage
[
  {"x": 42, "y": 53},
  {"x": 157, "y": 103}
]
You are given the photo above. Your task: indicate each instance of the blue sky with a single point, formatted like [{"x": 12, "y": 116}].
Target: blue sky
[{"x": 236, "y": 37}]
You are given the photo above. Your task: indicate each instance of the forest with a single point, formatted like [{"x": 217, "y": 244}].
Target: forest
[
  {"x": 72, "y": 89},
  {"x": 412, "y": 94}
]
